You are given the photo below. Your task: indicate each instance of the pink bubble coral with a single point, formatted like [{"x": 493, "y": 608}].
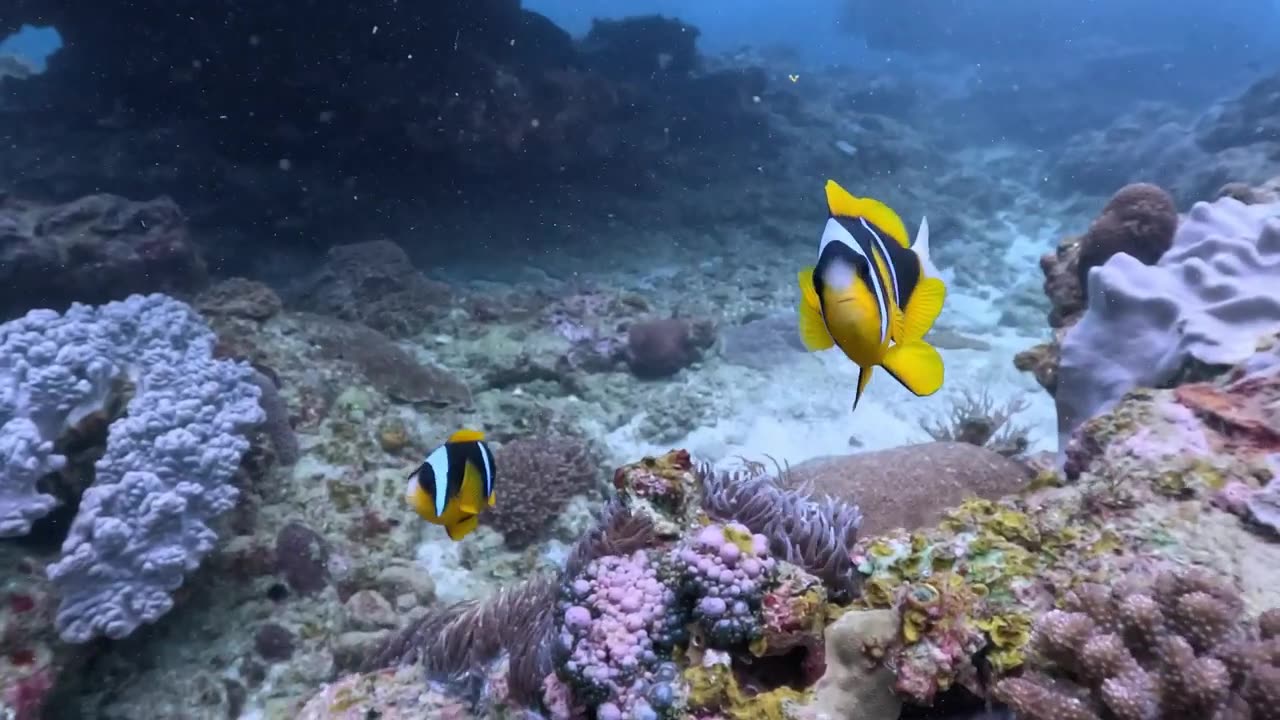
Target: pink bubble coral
[
  {"x": 727, "y": 569},
  {"x": 619, "y": 623}
]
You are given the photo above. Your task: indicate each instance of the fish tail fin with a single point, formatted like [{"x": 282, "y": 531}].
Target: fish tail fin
[
  {"x": 813, "y": 331},
  {"x": 864, "y": 377},
  {"x": 843, "y": 204},
  {"x": 463, "y": 527},
  {"x": 466, "y": 435},
  {"x": 923, "y": 308},
  {"x": 921, "y": 249},
  {"x": 917, "y": 365},
  {"x": 493, "y": 499}
]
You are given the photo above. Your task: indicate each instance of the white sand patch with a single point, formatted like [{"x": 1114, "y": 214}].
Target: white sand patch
[{"x": 802, "y": 409}]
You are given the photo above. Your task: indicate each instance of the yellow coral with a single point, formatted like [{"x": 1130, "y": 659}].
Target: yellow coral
[
  {"x": 1009, "y": 635},
  {"x": 739, "y": 537},
  {"x": 715, "y": 689}
]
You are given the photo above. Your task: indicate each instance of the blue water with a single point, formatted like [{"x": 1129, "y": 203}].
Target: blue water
[{"x": 32, "y": 44}]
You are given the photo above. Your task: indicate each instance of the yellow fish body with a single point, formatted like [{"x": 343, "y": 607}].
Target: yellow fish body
[
  {"x": 454, "y": 484},
  {"x": 873, "y": 294}
]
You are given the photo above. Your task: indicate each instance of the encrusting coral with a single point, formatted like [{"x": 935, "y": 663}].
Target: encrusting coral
[{"x": 1177, "y": 649}]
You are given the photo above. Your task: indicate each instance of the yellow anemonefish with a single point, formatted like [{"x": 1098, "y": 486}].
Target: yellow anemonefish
[
  {"x": 454, "y": 484},
  {"x": 873, "y": 294}
]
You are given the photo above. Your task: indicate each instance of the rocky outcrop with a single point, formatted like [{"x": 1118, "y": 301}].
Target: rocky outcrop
[{"x": 92, "y": 250}]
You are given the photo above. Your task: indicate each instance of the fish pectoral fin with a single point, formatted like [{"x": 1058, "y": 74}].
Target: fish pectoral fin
[
  {"x": 897, "y": 323},
  {"x": 922, "y": 309},
  {"x": 864, "y": 377},
  {"x": 813, "y": 331},
  {"x": 807, "y": 292},
  {"x": 466, "y": 435},
  {"x": 420, "y": 502},
  {"x": 917, "y": 365},
  {"x": 462, "y": 528},
  {"x": 468, "y": 508}
]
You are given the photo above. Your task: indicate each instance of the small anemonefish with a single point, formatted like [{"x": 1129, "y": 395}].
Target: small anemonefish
[
  {"x": 873, "y": 294},
  {"x": 454, "y": 484}
]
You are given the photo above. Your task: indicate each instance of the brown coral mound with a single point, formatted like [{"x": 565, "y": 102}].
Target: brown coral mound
[
  {"x": 1175, "y": 650},
  {"x": 910, "y": 487},
  {"x": 1139, "y": 220},
  {"x": 661, "y": 348},
  {"x": 538, "y": 476}
]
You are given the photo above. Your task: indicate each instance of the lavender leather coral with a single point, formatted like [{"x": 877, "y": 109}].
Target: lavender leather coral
[
  {"x": 1208, "y": 300},
  {"x": 169, "y": 461}
]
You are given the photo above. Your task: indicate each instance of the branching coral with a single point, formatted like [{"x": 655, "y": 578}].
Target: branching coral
[
  {"x": 1176, "y": 649},
  {"x": 539, "y": 476},
  {"x": 976, "y": 419},
  {"x": 816, "y": 534}
]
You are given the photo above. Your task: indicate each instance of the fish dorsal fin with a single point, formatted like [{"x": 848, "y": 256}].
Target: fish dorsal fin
[
  {"x": 465, "y": 435},
  {"x": 921, "y": 248},
  {"x": 842, "y": 204}
]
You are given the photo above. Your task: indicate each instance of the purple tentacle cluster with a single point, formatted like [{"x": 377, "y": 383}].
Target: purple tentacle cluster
[
  {"x": 726, "y": 569},
  {"x": 618, "y": 624}
]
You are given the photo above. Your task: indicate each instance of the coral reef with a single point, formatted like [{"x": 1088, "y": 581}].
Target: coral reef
[
  {"x": 1140, "y": 221},
  {"x": 375, "y": 284},
  {"x": 1177, "y": 649},
  {"x": 138, "y": 376},
  {"x": 1244, "y": 120},
  {"x": 1205, "y": 303},
  {"x": 92, "y": 250},
  {"x": 654, "y": 605},
  {"x": 816, "y": 534}
]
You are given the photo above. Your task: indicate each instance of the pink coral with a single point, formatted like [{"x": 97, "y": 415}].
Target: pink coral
[
  {"x": 617, "y": 617},
  {"x": 727, "y": 568}
]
